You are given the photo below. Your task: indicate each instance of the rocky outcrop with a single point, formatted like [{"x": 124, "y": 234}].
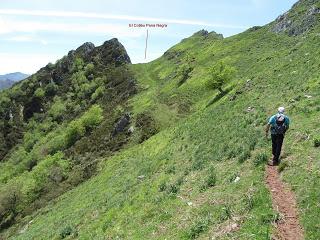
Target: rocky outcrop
[
  {"x": 303, "y": 16},
  {"x": 112, "y": 51},
  {"x": 121, "y": 124},
  {"x": 85, "y": 50}
]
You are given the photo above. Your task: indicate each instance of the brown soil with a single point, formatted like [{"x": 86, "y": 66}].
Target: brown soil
[{"x": 284, "y": 202}]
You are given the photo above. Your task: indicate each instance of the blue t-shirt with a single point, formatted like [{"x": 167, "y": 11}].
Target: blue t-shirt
[{"x": 273, "y": 119}]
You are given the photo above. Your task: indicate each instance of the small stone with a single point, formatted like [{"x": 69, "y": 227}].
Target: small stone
[
  {"x": 131, "y": 129},
  {"x": 237, "y": 179}
]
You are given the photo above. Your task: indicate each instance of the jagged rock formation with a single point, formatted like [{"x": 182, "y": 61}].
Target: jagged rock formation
[{"x": 303, "y": 16}]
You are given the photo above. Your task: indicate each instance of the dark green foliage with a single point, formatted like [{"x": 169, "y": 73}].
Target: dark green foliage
[
  {"x": 316, "y": 142},
  {"x": 210, "y": 180},
  {"x": 199, "y": 226},
  {"x": 9, "y": 200},
  {"x": 147, "y": 126},
  {"x": 65, "y": 232}
]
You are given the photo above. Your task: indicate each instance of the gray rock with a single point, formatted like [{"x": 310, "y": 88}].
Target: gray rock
[
  {"x": 297, "y": 24},
  {"x": 121, "y": 124},
  {"x": 85, "y": 50}
]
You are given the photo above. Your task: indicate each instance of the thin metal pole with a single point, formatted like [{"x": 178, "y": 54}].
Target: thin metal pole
[{"x": 145, "y": 51}]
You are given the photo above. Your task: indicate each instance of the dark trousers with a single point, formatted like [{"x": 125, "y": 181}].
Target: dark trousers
[{"x": 277, "y": 140}]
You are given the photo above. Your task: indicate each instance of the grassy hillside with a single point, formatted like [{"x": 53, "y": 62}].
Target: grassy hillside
[{"x": 194, "y": 165}]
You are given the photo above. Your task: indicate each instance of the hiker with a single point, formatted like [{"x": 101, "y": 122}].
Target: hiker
[{"x": 279, "y": 124}]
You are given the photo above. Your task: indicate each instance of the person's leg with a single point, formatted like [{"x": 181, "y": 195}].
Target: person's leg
[
  {"x": 274, "y": 147},
  {"x": 279, "y": 147}
]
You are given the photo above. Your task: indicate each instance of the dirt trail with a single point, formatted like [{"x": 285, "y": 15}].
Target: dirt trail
[{"x": 283, "y": 201}]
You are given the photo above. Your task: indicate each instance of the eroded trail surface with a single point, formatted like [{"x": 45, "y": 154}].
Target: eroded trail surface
[{"x": 284, "y": 202}]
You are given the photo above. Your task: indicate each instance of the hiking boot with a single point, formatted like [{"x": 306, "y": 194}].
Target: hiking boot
[{"x": 270, "y": 163}]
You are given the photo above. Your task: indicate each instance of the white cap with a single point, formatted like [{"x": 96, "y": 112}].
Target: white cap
[{"x": 281, "y": 109}]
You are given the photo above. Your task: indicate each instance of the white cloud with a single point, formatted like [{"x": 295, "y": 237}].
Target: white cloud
[
  {"x": 118, "y": 30},
  {"x": 27, "y": 63},
  {"x": 71, "y": 14},
  {"x": 27, "y": 38}
]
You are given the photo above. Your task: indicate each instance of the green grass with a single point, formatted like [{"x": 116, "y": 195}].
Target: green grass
[{"x": 180, "y": 183}]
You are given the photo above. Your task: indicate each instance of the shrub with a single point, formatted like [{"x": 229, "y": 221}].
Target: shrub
[
  {"x": 162, "y": 187},
  {"x": 98, "y": 93},
  {"x": 89, "y": 69},
  {"x": 40, "y": 93},
  {"x": 51, "y": 89},
  {"x": 220, "y": 74},
  {"x": 173, "y": 189},
  {"x": 77, "y": 128},
  {"x": 65, "y": 232},
  {"x": 57, "y": 109},
  {"x": 260, "y": 159},
  {"x": 316, "y": 141},
  {"x": 199, "y": 226},
  {"x": 74, "y": 132},
  {"x": 92, "y": 117},
  {"x": 78, "y": 64},
  {"x": 210, "y": 180},
  {"x": 9, "y": 200}
]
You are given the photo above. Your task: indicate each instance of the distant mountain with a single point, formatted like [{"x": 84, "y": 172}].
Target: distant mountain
[{"x": 9, "y": 79}]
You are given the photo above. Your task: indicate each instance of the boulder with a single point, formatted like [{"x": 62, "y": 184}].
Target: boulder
[{"x": 121, "y": 124}]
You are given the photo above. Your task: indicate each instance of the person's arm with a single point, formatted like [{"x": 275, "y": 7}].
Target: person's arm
[
  {"x": 267, "y": 129},
  {"x": 270, "y": 121},
  {"x": 288, "y": 123}
]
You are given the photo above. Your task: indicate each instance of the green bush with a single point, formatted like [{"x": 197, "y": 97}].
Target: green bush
[
  {"x": 40, "y": 93},
  {"x": 220, "y": 74},
  {"x": 74, "y": 132},
  {"x": 316, "y": 141},
  {"x": 92, "y": 117},
  {"x": 57, "y": 109},
  {"x": 65, "y": 232},
  {"x": 77, "y": 128},
  {"x": 9, "y": 200},
  {"x": 78, "y": 64},
  {"x": 51, "y": 89},
  {"x": 98, "y": 93},
  {"x": 89, "y": 69},
  {"x": 199, "y": 226}
]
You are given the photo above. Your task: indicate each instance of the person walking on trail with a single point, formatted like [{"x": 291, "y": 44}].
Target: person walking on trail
[{"x": 278, "y": 124}]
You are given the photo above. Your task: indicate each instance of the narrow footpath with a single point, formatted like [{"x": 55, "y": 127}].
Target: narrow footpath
[{"x": 284, "y": 202}]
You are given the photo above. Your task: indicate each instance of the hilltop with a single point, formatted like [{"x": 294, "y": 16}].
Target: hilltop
[
  {"x": 7, "y": 80},
  {"x": 95, "y": 147}
]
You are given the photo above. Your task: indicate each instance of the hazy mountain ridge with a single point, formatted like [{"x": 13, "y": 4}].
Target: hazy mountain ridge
[{"x": 7, "y": 80}]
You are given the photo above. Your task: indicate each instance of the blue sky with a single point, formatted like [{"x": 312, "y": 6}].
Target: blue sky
[{"x": 35, "y": 32}]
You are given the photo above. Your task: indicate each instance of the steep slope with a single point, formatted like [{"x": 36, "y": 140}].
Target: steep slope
[
  {"x": 57, "y": 123},
  {"x": 202, "y": 174}
]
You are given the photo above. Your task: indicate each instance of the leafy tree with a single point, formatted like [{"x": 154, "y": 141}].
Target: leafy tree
[
  {"x": 40, "y": 93},
  {"x": 185, "y": 69},
  {"x": 89, "y": 69},
  {"x": 78, "y": 64},
  {"x": 220, "y": 74}
]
